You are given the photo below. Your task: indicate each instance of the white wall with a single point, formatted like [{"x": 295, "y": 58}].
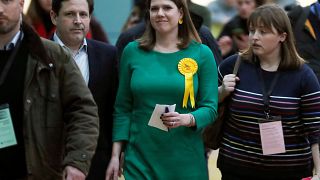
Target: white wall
[{"x": 206, "y": 2}]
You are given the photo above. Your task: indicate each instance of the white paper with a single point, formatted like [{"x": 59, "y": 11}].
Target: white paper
[
  {"x": 272, "y": 139},
  {"x": 155, "y": 120}
]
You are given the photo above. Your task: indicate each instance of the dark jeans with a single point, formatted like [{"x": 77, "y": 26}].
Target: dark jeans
[{"x": 228, "y": 176}]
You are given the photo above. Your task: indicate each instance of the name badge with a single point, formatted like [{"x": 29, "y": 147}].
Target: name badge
[
  {"x": 272, "y": 139},
  {"x": 7, "y": 135}
]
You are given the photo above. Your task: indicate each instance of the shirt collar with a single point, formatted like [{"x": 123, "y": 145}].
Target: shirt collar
[
  {"x": 14, "y": 41},
  {"x": 59, "y": 41}
]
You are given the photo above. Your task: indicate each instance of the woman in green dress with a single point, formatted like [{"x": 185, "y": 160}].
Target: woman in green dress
[{"x": 167, "y": 65}]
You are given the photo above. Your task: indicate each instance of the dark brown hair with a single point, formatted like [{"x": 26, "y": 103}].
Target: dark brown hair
[
  {"x": 56, "y": 5},
  {"x": 35, "y": 13},
  {"x": 186, "y": 31},
  {"x": 260, "y": 3},
  {"x": 272, "y": 16}
]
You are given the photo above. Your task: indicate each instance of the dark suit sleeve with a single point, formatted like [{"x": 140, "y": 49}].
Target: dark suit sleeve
[
  {"x": 122, "y": 41},
  {"x": 128, "y": 36},
  {"x": 115, "y": 77},
  {"x": 111, "y": 98},
  {"x": 210, "y": 41}
]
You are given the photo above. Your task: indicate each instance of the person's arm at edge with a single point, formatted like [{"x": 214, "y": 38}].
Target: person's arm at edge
[{"x": 81, "y": 117}]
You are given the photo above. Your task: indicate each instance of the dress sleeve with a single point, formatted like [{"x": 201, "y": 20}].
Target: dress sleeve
[
  {"x": 310, "y": 106},
  {"x": 123, "y": 104},
  {"x": 207, "y": 99}
]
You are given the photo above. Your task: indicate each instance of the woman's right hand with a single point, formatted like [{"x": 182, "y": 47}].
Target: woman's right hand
[
  {"x": 113, "y": 170},
  {"x": 228, "y": 86}
]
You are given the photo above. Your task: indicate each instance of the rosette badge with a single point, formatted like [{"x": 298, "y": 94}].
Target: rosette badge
[{"x": 188, "y": 67}]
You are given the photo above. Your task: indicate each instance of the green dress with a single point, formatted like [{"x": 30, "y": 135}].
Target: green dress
[{"x": 150, "y": 78}]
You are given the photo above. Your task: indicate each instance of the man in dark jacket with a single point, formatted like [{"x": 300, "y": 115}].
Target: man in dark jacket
[
  {"x": 305, "y": 22},
  {"x": 97, "y": 62},
  {"x": 48, "y": 118}
]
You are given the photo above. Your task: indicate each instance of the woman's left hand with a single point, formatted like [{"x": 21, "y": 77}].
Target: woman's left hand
[{"x": 174, "y": 119}]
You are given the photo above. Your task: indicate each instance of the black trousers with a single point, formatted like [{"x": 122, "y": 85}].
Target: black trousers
[
  {"x": 99, "y": 165},
  {"x": 228, "y": 176}
]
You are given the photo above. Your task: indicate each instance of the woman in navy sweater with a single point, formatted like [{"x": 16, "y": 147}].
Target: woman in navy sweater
[{"x": 273, "y": 125}]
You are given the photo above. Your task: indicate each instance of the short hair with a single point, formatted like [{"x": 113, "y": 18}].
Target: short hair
[
  {"x": 186, "y": 31},
  {"x": 56, "y": 5},
  {"x": 272, "y": 16},
  {"x": 260, "y": 2}
]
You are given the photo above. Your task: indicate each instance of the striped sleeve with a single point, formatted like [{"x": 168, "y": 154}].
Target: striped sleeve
[{"x": 310, "y": 106}]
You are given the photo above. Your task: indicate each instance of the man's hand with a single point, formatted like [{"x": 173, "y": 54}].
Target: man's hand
[
  {"x": 225, "y": 45},
  {"x": 71, "y": 173},
  {"x": 241, "y": 41}
]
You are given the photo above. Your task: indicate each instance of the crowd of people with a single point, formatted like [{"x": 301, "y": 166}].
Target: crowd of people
[{"x": 74, "y": 107}]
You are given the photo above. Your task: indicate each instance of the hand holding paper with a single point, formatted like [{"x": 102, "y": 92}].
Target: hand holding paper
[{"x": 155, "y": 120}]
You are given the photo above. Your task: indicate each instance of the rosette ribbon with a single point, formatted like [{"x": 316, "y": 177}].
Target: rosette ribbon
[{"x": 188, "y": 67}]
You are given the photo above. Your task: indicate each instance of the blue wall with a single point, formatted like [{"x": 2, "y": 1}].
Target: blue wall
[{"x": 112, "y": 14}]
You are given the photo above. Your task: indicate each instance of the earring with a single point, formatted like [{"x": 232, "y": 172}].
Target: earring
[{"x": 180, "y": 21}]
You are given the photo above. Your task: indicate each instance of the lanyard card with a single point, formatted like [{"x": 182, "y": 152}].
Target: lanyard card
[
  {"x": 272, "y": 139},
  {"x": 7, "y": 135}
]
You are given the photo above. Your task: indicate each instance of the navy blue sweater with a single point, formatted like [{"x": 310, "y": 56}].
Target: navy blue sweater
[{"x": 296, "y": 98}]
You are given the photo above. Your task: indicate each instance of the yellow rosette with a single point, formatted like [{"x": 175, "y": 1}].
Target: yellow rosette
[{"x": 188, "y": 67}]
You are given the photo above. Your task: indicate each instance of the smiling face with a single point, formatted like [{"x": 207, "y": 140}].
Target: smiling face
[
  {"x": 164, "y": 16},
  {"x": 72, "y": 22}
]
